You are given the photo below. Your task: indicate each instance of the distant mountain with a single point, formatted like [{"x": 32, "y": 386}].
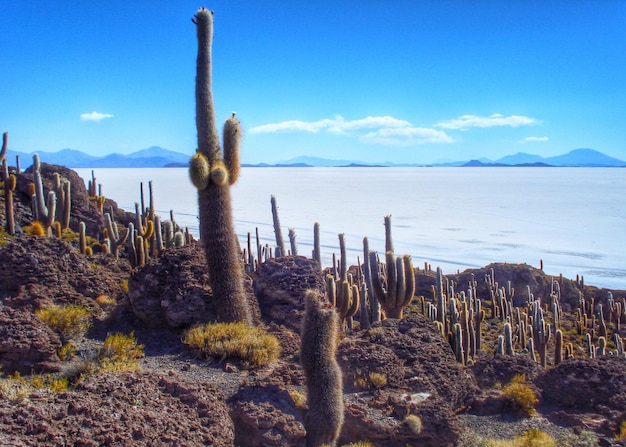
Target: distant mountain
[
  {"x": 576, "y": 157},
  {"x": 584, "y": 157},
  {"x": 152, "y": 157},
  {"x": 520, "y": 158},
  {"x": 158, "y": 157}
]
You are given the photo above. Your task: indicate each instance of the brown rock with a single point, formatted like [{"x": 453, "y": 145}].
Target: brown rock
[
  {"x": 121, "y": 409},
  {"x": 279, "y": 285},
  {"x": 27, "y": 344}
]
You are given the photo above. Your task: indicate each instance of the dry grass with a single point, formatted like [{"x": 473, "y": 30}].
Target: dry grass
[
  {"x": 71, "y": 322},
  {"x": 120, "y": 353},
  {"x": 252, "y": 345},
  {"x": 531, "y": 438},
  {"x": 520, "y": 396}
]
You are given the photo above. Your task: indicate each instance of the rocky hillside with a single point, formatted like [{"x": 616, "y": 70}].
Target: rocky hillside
[{"x": 405, "y": 381}]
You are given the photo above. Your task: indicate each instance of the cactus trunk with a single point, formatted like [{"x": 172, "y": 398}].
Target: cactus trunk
[{"x": 216, "y": 223}]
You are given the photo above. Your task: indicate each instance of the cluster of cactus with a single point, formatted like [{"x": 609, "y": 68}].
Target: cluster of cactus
[
  {"x": 342, "y": 291},
  {"x": 393, "y": 282},
  {"x": 212, "y": 172},
  {"x": 592, "y": 324},
  {"x": 458, "y": 316}
]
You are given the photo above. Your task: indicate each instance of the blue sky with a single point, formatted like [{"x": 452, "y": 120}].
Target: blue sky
[{"x": 401, "y": 81}]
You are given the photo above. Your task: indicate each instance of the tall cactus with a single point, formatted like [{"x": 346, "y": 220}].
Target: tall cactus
[
  {"x": 323, "y": 376},
  {"x": 213, "y": 173}
]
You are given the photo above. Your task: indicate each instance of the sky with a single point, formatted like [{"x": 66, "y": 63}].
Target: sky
[{"x": 397, "y": 80}]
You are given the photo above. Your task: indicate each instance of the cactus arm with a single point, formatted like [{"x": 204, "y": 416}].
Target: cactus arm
[
  {"x": 392, "y": 279},
  {"x": 232, "y": 141}
]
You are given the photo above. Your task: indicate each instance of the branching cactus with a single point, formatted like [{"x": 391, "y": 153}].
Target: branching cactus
[
  {"x": 212, "y": 173},
  {"x": 44, "y": 206},
  {"x": 115, "y": 239},
  {"x": 318, "y": 349},
  {"x": 399, "y": 281}
]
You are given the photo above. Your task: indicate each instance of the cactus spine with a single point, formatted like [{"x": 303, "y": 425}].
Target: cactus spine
[
  {"x": 216, "y": 222},
  {"x": 318, "y": 348}
]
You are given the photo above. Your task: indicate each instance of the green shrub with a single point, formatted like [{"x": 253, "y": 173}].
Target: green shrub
[{"x": 250, "y": 344}]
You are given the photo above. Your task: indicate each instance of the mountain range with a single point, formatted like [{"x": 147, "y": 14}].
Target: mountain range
[{"x": 157, "y": 157}]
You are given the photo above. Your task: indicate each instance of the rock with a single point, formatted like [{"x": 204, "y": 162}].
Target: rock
[
  {"x": 27, "y": 344},
  {"x": 590, "y": 385},
  {"x": 121, "y": 409},
  {"x": 264, "y": 412},
  {"x": 38, "y": 271},
  {"x": 173, "y": 290},
  {"x": 492, "y": 369},
  {"x": 422, "y": 378},
  {"x": 279, "y": 285}
]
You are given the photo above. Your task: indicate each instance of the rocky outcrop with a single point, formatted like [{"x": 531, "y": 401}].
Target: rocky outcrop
[
  {"x": 279, "y": 286},
  {"x": 173, "y": 290},
  {"x": 144, "y": 409},
  {"x": 27, "y": 345},
  {"x": 400, "y": 368},
  {"x": 38, "y": 271}
]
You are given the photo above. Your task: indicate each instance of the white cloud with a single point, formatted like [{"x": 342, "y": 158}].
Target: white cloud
[
  {"x": 527, "y": 139},
  {"x": 94, "y": 116},
  {"x": 495, "y": 120},
  {"x": 384, "y": 130},
  {"x": 406, "y": 136},
  {"x": 334, "y": 125}
]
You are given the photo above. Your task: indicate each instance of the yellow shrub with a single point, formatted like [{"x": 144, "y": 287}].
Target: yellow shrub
[
  {"x": 120, "y": 353},
  {"x": 414, "y": 423},
  {"x": 54, "y": 384},
  {"x": 250, "y": 344},
  {"x": 378, "y": 380},
  {"x": 106, "y": 300},
  {"x": 66, "y": 352},
  {"x": 621, "y": 436},
  {"x": 299, "y": 399},
  {"x": 71, "y": 322},
  {"x": 520, "y": 396},
  {"x": 34, "y": 229}
]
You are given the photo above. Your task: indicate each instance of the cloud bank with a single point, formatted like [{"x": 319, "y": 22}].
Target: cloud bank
[
  {"x": 94, "y": 116},
  {"x": 390, "y": 131},
  {"x": 496, "y": 120},
  {"x": 378, "y": 130}
]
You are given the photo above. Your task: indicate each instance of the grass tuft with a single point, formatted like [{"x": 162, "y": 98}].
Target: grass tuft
[
  {"x": 250, "y": 344},
  {"x": 120, "y": 353},
  {"x": 71, "y": 322}
]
